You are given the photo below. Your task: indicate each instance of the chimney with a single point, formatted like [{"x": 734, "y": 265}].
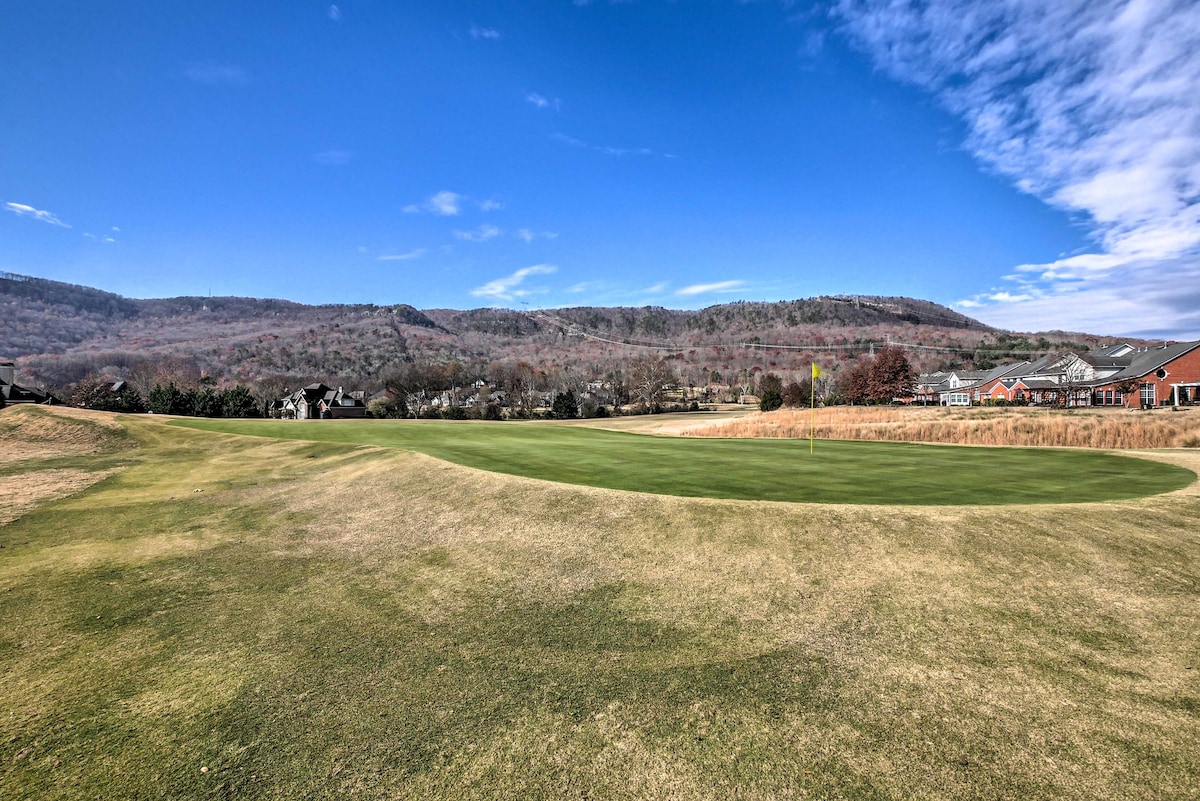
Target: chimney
[{"x": 7, "y": 372}]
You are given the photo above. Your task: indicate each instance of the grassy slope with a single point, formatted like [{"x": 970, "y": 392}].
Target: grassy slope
[
  {"x": 329, "y": 622},
  {"x": 773, "y": 470}
]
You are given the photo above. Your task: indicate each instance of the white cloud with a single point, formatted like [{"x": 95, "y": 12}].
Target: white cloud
[
  {"x": 213, "y": 73},
  {"x": 481, "y": 234},
  {"x": 527, "y": 235},
  {"x": 657, "y": 289},
  {"x": 444, "y": 203},
  {"x": 416, "y": 253},
  {"x": 704, "y": 289},
  {"x": 490, "y": 205},
  {"x": 605, "y": 149},
  {"x": 1091, "y": 106},
  {"x": 334, "y": 158},
  {"x": 335, "y": 13},
  {"x": 541, "y": 101},
  {"x": 23, "y": 210},
  {"x": 489, "y": 34},
  {"x": 509, "y": 288}
]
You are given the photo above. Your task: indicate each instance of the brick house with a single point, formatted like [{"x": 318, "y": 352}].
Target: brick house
[{"x": 1116, "y": 375}]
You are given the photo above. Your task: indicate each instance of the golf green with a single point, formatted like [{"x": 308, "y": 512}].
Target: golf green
[{"x": 750, "y": 469}]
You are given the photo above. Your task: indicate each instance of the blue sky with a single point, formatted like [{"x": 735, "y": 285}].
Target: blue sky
[{"x": 1033, "y": 164}]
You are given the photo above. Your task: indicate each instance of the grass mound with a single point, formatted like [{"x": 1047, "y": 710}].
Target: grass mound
[
  {"x": 771, "y": 470},
  {"x": 41, "y": 432},
  {"x": 45, "y": 454}
]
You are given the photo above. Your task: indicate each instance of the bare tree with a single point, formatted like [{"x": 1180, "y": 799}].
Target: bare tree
[{"x": 649, "y": 377}]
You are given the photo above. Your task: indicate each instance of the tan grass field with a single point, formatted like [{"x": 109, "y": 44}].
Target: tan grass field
[
  {"x": 1079, "y": 428},
  {"x": 334, "y": 622}
]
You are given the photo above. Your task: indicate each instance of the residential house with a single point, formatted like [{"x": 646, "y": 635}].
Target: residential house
[
  {"x": 319, "y": 402},
  {"x": 11, "y": 392},
  {"x": 1115, "y": 375}
]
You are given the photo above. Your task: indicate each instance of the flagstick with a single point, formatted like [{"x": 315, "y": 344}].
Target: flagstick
[{"x": 812, "y": 408}]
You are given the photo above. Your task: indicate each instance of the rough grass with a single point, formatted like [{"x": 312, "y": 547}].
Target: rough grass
[
  {"x": 840, "y": 472},
  {"x": 1081, "y": 428},
  {"x": 40, "y": 452},
  {"x": 328, "y": 621}
]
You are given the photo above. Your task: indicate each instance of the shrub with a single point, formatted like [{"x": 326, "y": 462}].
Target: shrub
[{"x": 454, "y": 413}]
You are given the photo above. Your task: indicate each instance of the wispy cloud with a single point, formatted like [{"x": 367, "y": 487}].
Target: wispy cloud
[
  {"x": 657, "y": 289},
  {"x": 490, "y": 205},
  {"x": 1088, "y": 105},
  {"x": 23, "y": 210},
  {"x": 527, "y": 235},
  {"x": 488, "y": 34},
  {"x": 541, "y": 101},
  {"x": 481, "y": 234},
  {"x": 334, "y": 158},
  {"x": 416, "y": 253},
  {"x": 444, "y": 203},
  {"x": 334, "y": 13},
  {"x": 212, "y": 73},
  {"x": 605, "y": 149},
  {"x": 509, "y": 288},
  {"x": 705, "y": 289}
]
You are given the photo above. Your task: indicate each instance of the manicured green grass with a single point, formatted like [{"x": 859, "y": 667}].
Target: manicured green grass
[{"x": 744, "y": 469}]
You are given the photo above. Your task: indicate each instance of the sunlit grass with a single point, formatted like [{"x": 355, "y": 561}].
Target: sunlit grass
[
  {"x": 773, "y": 470},
  {"x": 319, "y": 620}
]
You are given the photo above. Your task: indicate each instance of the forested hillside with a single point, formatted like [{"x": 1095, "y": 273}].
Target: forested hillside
[{"x": 60, "y": 333}]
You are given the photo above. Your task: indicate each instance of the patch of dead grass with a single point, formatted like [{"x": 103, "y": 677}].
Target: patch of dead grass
[
  {"x": 22, "y": 493},
  {"x": 1080, "y": 428},
  {"x": 48, "y": 432}
]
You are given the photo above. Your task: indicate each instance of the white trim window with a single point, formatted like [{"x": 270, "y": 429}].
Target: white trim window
[{"x": 1147, "y": 394}]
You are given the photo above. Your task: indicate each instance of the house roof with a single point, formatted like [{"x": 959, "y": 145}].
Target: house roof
[
  {"x": 1147, "y": 360},
  {"x": 14, "y": 393}
]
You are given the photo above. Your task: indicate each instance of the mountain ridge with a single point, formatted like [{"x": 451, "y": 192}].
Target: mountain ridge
[{"x": 59, "y": 332}]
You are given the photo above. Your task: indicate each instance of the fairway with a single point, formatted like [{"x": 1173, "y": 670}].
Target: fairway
[
  {"x": 186, "y": 614},
  {"x": 841, "y": 472}
]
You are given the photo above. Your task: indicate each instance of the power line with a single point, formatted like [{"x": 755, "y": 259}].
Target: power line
[{"x": 574, "y": 329}]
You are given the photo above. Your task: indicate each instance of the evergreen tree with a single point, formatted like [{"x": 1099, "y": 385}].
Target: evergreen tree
[
  {"x": 166, "y": 399},
  {"x": 237, "y": 401},
  {"x": 565, "y": 406}
]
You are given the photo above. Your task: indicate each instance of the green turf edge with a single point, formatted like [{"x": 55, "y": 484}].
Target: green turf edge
[{"x": 836, "y": 472}]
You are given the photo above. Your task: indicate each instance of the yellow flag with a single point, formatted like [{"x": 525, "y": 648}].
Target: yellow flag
[{"x": 816, "y": 371}]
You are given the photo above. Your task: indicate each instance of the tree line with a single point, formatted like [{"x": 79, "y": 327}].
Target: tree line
[{"x": 458, "y": 390}]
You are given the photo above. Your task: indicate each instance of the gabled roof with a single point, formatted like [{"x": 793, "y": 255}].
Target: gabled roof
[
  {"x": 987, "y": 376},
  {"x": 14, "y": 393},
  {"x": 1144, "y": 361}
]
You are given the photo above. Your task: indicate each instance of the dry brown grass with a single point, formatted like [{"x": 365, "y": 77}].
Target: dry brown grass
[
  {"x": 347, "y": 598},
  {"x": 41, "y": 432},
  {"x": 24, "y": 492},
  {"x": 1083, "y": 428}
]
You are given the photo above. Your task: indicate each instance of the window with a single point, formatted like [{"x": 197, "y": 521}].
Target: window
[
  {"x": 1147, "y": 394},
  {"x": 1108, "y": 397}
]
